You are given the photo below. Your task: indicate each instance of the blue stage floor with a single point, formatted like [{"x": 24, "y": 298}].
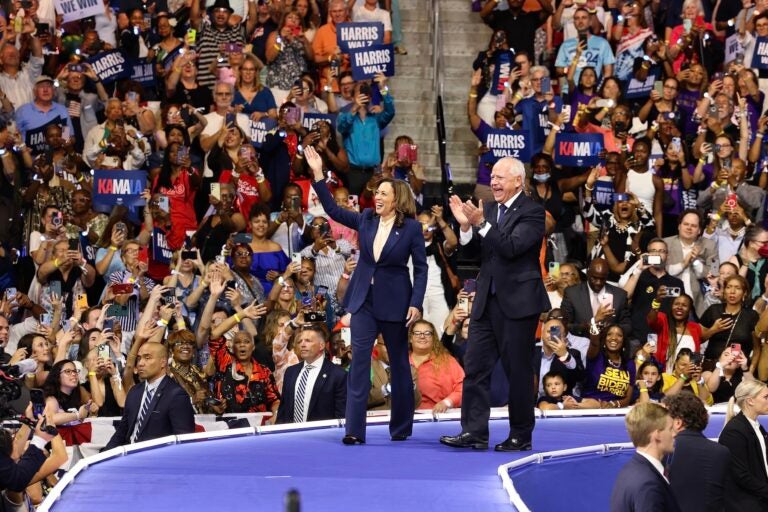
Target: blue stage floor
[{"x": 254, "y": 473}]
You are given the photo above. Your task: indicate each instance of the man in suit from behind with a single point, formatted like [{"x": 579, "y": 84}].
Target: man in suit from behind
[
  {"x": 641, "y": 485},
  {"x": 699, "y": 467},
  {"x": 315, "y": 389},
  {"x": 595, "y": 302},
  {"x": 509, "y": 300},
  {"x": 158, "y": 406}
]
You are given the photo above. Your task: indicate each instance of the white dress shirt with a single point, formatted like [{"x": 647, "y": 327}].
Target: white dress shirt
[
  {"x": 313, "y": 373},
  {"x": 656, "y": 464},
  {"x": 760, "y": 439},
  {"x": 149, "y": 385}
]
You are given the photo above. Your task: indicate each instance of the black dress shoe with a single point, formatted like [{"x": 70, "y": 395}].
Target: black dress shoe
[
  {"x": 514, "y": 444},
  {"x": 465, "y": 440},
  {"x": 399, "y": 437},
  {"x": 350, "y": 440}
]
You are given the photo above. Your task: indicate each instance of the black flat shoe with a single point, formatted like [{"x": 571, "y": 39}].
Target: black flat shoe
[
  {"x": 350, "y": 440},
  {"x": 514, "y": 444},
  {"x": 465, "y": 440},
  {"x": 400, "y": 437}
]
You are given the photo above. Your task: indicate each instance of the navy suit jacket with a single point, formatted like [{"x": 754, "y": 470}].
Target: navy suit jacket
[
  {"x": 170, "y": 413},
  {"x": 640, "y": 488},
  {"x": 510, "y": 257},
  {"x": 393, "y": 293},
  {"x": 16, "y": 476},
  {"x": 746, "y": 489},
  {"x": 329, "y": 394},
  {"x": 698, "y": 471},
  {"x": 577, "y": 308}
]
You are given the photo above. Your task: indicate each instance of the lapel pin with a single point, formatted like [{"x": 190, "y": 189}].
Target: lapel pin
[{"x": 324, "y": 375}]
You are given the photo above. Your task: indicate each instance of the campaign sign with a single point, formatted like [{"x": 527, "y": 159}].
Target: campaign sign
[
  {"x": 161, "y": 253},
  {"x": 142, "y": 71},
  {"x": 578, "y": 149},
  {"x": 760, "y": 57},
  {"x": 503, "y": 143},
  {"x": 110, "y": 66},
  {"x": 35, "y": 137},
  {"x": 362, "y": 34},
  {"x": 111, "y": 188},
  {"x": 733, "y": 47},
  {"x": 78, "y": 9},
  {"x": 260, "y": 129},
  {"x": 501, "y": 72},
  {"x": 309, "y": 119},
  {"x": 637, "y": 89},
  {"x": 368, "y": 62},
  {"x": 602, "y": 195}
]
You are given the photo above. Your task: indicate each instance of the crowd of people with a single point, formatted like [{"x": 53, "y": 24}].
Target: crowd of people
[{"x": 259, "y": 265}]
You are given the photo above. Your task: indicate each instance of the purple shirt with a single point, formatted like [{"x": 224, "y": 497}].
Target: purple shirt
[
  {"x": 483, "y": 169},
  {"x": 604, "y": 382},
  {"x": 686, "y": 104}
]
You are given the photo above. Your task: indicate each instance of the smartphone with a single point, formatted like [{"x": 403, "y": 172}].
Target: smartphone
[
  {"x": 687, "y": 24},
  {"x": 325, "y": 230},
  {"x": 554, "y": 269},
  {"x": 58, "y": 219},
  {"x": 216, "y": 190},
  {"x": 583, "y": 37},
  {"x": 42, "y": 27},
  {"x": 168, "y": 298},
  {"x": 164, "y": 204},
  {"x": 546, "y": 85},
  {"x": 732, "y": 201},
  {"x": 55, "y": 287},
  {"x": 144, "y": 255},
  {"x": 122, "y": 288},
  {"x": 567, "y": 111},
  {"x": 677, "y": 144},
  {"x": 620, "y": 197},
  {"x": 606, "y": 300},
  {"x": 697, "y": 358},
  {"x": 191, "y": 37},
  {"x": 189, "y": 255},
  {"x": 121, "y": 227},
  {"x": 353, "y": 201},
  {"x": 243, "y": 238},
  {"x": 117, "y": 310},
  {"x": 81, "y": 301},
  {"x": 470, "y": 285},
  {"x": 464, "y": 304},
  {"x": 404, "y": 153},
  {"x": 714, "y": 266},
  {"x": 182, "y": 154},
  {"x": 653, "y": 340},
  {"x": 37, "y": 397},
  {"x": 73, "y": 244},
  {"x": 713, "y": 112},
  {"x": 46, "y": 319},
  {"x": 673, "y": 291},
  {"x": 76, "y": 68},
  {"x": 354, "y": 254},
  {"x": 556, "y": 332},
  {"x": 102, "y": 352},
  {"x": 603, "y": 103},
  {"x": 658, "y": 86},
  {"x": 296, "y": 258},
  {"x": 244, "y": 153},
  {"x": 10, "y": 294},
  {"x": 735, "y": 348},
  {"x": 346, "y": 336},
  {"x": 295, "y": 204},
  {"x": 109, "y": 323},
  {"x": 651, "y": 259}
]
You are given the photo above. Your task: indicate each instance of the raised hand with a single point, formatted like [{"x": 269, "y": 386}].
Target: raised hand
[{"x": 456, "y": 206}]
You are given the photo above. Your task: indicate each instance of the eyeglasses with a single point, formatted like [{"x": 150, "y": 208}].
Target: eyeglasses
[
  {"x": 247, "y": 69},
  {"x": 70, "y": 372},
  {"x": 657, "y": 251},
  {"x": 223, "y": 94},
  {"x": 422, "y": 334},
  {"x": 242, "y": 254},
  {"x": 183, "y": 343}
]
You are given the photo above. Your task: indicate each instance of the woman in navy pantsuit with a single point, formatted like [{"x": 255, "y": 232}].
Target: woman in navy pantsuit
[{"x": 380, "y": 295}]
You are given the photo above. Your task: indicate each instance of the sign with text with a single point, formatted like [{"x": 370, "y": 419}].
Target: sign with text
[
  {"x": 578, "y": 149},
  {"x": 760, "y": 57},
  {"x": 35, "y": 137},
  {"x": 501, "y": 72},
  {"x": 310, "y": 118},
  {"x": 733, "y": 48},
  {"x": 503, "y": 143},
  {"x": 110, "y": 66},
  {"x": 78, "y": 9},
  {"x": 638, "y": 89},
  {"x": 368, "y": 62},
  {"x": 142, "y": 71},
  {"x": 161, "y": 253},
  {"x": 112, "y": 188},
  {"x": 361, "y": 34},
  {"x": 260, "y": 129}
]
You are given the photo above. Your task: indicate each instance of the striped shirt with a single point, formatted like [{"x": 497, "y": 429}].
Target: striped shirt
[
  {"x": 209, "y": 41},
  {"x": 128, "y": 323},
  {"x": 329, "y": 264}
]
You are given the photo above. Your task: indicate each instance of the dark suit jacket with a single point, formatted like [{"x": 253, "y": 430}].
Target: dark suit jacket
[
  {"x": 698, "y": 471},
  {"x": 577, "y": 308},
  {"x": 572, "y": 377},
  {"x": 640, "y": 488},
  {"x": 16, "y": 476},
  {"x": 170, "y": 413},
  {"x": 393, "y": 293},
  {"x": 329, "y": 394},
  {"x": 510, "y": 258},
  {"x": 746, "y": 488}
]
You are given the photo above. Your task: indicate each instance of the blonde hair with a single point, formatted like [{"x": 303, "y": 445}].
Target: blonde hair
[
  {"x": 643, "y": 420},
  {"x": 746, "y": 389},
  {"x": 249, "y": 57}
]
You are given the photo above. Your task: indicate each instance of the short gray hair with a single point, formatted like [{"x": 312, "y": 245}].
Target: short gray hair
[
  {"x": 512, "y": 165},
  {"x": 543, "y": 69}
]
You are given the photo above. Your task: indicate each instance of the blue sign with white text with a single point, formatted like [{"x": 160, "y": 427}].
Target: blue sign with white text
[
  {"x": 361, "y": 34},
  {"x": 578, "y": 149},
  {"x": 369, "y": 62},
  {"x": 504, "y": 143}
]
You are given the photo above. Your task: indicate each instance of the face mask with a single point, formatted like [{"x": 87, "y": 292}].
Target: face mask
[{"x": 541, "y": 178}]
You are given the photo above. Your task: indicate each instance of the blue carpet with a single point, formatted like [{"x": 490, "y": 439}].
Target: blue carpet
[{"x": 254, "y": 473}]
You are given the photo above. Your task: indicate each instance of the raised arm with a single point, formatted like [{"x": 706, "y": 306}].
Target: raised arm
[{"x": 348, "y": 218}]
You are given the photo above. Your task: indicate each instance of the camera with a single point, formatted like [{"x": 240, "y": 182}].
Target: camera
[{"x": 315, "y": 317}]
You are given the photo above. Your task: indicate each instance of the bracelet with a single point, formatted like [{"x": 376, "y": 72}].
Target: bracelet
[
  {"x": 112, "y": 248},
  {"x": 472, "y": 95},
  {"x": 237, "y": 317},
  {"x": 345, "y": 276},
  {"x": 162, "y": 323},
  {"x": 181, "y": 325},
  {"x": 518, "y": 96},
  {"x": 91, "y": 374},
  {"x": 759, "y": 135},
  {"x": 56, "y": 262},
  {"x": 715, "y": 185},
  {"x": 235, "y": 174},
  {"x": 684, "y": 378},
  {"x": 655, "y": 304},
  {"x": 643, "y": 390},
  {"x": 702, "y": 161},
  {"x": 589, "y": 188}
]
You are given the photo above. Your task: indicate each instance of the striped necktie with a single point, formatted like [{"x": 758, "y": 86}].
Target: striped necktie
[
  {"x": 143, "y": 413},
  {"x": 298, "y": 407}
]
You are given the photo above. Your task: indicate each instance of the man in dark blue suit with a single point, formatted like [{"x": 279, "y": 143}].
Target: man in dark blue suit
[
  {"x": 380, "y": 295},
  {"x": 315, "y": 389},
  {"x": 509, "y": 300},
  {"x": 699, "y": 467},
  {"x": 158, "y": 406},
  {"x": 641, "y": 485}
]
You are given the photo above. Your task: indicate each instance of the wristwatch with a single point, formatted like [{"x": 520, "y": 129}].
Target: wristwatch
[{"x": 482, "y": 225}]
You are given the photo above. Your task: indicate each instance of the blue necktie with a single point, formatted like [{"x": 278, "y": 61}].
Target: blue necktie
[
  {"x": 143, "y": 413},
  {"x": 298, "y": 406},
  {"x": 502, "y": 211}
]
